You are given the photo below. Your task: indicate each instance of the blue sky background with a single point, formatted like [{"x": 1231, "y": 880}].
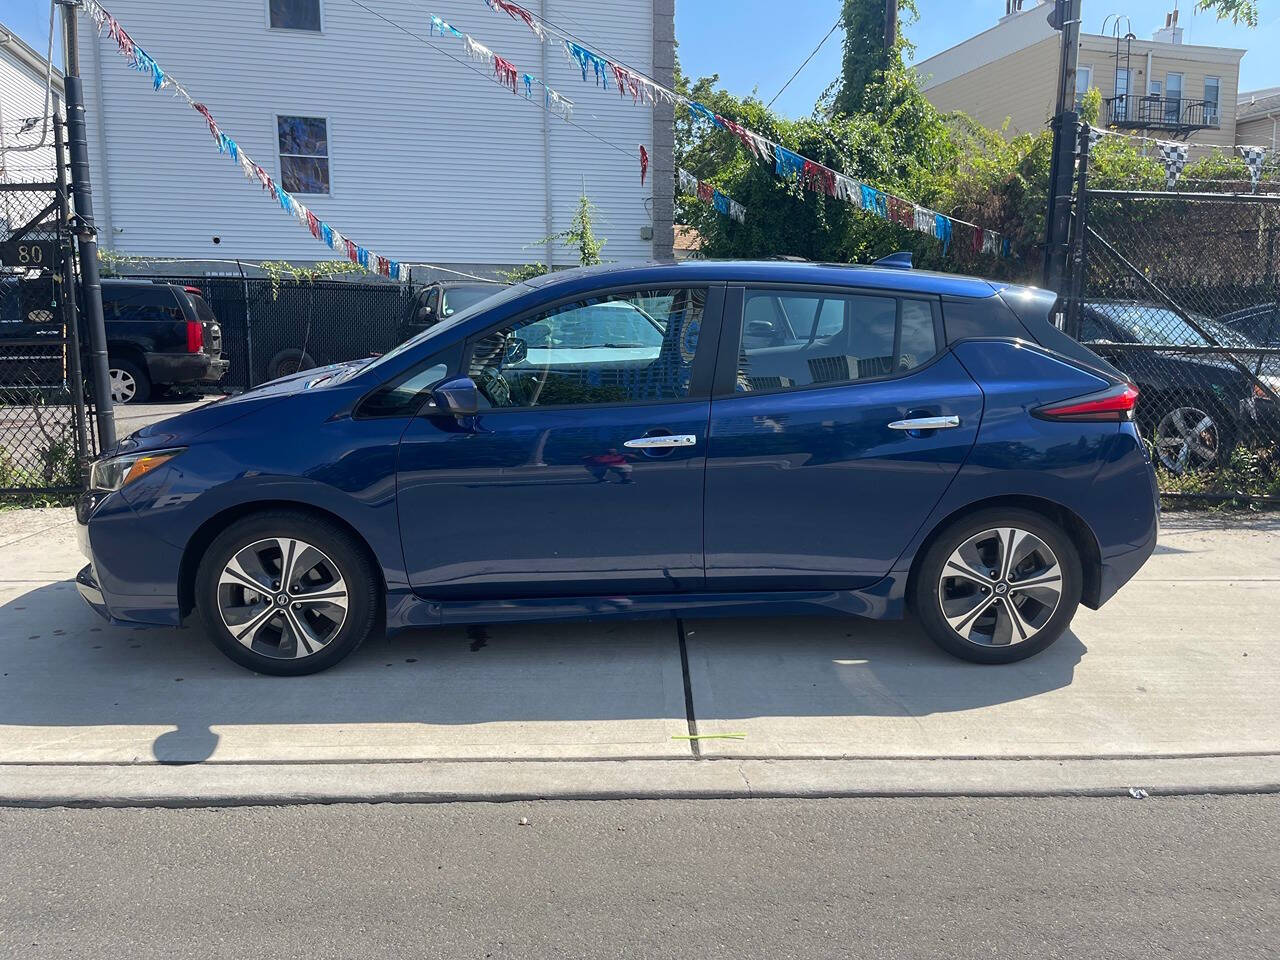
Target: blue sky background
[{"x": 756, "y": 44}]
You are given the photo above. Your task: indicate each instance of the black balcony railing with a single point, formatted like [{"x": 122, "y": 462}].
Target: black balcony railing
[{"x": 1161, "y": 113}]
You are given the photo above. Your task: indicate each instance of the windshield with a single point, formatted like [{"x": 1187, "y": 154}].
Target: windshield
[
  {"x": 455, "y": 299},
  {"x": 1151, "y": 324},
  {"x": 497, "y": 299}
]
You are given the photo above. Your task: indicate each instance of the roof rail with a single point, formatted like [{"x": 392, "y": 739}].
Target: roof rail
[{"x": 896, "y": 261}]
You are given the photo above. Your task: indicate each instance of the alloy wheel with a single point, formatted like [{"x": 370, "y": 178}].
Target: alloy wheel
[
  {"x": 1000, "y": 587},
  {"x": 282, "y": 598},
  {"x": 124, "y": 386},
  {"x": 1187, "y": 438}
]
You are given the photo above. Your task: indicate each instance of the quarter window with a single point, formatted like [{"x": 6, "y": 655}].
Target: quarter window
[
  {"x": 304, "y": 154},
  {"x": 295, "y": 14},
  {"x": 846, "y": 338},
  {"x": 619, "y": 348}
]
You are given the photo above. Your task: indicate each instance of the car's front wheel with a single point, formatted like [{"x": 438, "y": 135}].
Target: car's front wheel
[
  {"x": 286, "y": 593},
  {"x": 998, "y": 586}
]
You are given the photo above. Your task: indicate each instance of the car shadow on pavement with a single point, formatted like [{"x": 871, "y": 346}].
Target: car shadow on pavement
[{"x": 77, "y": 689}]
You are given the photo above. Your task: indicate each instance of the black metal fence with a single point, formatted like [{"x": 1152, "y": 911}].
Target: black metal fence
[
  {"x": 272, "y": 327},
  {"x": 1180, "y": 291}
]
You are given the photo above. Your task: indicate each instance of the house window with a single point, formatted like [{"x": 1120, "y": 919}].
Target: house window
[
  {"x": 1211, "y": 86},
  {"x": 1173, "y": 97},
  {"x": 295, "y": 14},
  {"x": 1084, "y": 77},
  {"x": 304, "y": 154}
]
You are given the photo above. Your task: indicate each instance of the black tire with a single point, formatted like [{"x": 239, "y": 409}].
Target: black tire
[
  {"x": 926, "y": 589},
  {"x": 336, "y": 546},
  {"x": 125, "y": 372},
  {"x": 288, "y": 362}
]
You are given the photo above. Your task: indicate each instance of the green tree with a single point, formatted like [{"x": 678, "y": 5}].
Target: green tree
[
  {"x": 1237, "y": 11},
  {"x": 866, "y": 57}
]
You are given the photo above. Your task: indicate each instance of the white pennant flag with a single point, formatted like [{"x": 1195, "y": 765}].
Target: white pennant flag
[{"x": 1254, "y": 158}]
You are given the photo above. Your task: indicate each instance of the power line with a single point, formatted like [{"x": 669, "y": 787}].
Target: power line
[{"x": 806, "y": 62}]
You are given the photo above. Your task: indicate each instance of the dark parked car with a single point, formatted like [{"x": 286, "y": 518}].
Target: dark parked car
[
  {"x": 608, "y": 442},
  {"x": 443, "y": 299},
  {"x": 1260, "y": 323},
  {"x": 158, "y": 335},
  {"x": 1194, "y": 407}
]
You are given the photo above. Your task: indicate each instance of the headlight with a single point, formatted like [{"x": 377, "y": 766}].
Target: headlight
[{"x": 116, "y": 472}]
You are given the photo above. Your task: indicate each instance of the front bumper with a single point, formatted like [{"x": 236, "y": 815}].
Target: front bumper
[{"x": 87, "y": 584}]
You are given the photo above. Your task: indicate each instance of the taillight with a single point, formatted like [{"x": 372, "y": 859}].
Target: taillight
[
  {"x": 195, "y": 337},
  {"x": 1115, "y": 404}
]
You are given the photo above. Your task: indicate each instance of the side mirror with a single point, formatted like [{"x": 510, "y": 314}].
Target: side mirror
[
  {"x": 458, "y": 397},
  {"x": 760, "y": 328}
]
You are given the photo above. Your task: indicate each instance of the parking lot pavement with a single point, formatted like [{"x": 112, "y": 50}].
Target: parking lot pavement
[
  {"x": 1183, "y": 662},
  {"x": 135, "y": 416}
]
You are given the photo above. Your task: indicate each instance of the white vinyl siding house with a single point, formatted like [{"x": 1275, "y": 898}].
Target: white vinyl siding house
[
  {"x": 425, "y": 159},
  {"x": 22, "y": 104}
]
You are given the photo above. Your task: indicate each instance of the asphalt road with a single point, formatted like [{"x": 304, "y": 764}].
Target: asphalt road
[{"x": 1178, "y": 877}]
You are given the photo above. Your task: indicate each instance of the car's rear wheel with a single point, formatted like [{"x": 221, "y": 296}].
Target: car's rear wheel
[
  {"x": 129, "y": 382},
  {"x": 286, "y": 593},
  {"x": 998, "y": 586}
]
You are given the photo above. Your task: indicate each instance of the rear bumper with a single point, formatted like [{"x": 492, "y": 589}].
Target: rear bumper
[{"x": 185, "y": 368}]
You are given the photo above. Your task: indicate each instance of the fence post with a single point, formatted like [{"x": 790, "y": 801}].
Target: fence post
[
  {"x": 1081, "y": 230},
  {"x": 70, "y": 315},
  {"x": 248, "y": 327}
]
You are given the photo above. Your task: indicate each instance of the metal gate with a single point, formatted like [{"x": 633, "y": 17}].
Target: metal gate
[
  {"x": 1180, "y": 290},
  {"x": 45, "y": 432}
]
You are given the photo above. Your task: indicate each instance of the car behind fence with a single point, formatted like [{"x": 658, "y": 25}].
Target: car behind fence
[
  {"x": 1179, "y": 290},
  {"x": 273, "y": 327}
]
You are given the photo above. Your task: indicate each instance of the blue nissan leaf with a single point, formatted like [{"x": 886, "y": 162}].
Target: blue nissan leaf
[{"x": 699, "y": 439}]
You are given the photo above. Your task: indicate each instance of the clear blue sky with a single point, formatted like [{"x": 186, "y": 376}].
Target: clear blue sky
[{"x": 756, "y": 44}]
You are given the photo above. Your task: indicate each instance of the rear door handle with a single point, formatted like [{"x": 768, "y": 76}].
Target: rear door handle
[
  {"x": 925, "y": 423},
  {"x": 668, "y": 440}
]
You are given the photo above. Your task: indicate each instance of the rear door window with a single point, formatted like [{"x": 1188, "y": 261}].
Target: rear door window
[{"x": 831, "y": 338}]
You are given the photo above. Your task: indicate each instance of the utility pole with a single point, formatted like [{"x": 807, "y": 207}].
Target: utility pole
[
  {"x": 86, "y": 235},
  {"x": 890, "y": 25},
  {"x": 1065, "y": 17}
]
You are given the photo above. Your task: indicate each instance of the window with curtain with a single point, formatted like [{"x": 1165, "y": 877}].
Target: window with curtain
[{"x": 304, "y": 154}]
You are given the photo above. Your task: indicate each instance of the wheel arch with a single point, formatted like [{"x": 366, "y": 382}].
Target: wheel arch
[
  {"x": 204, "y": 536},
  {"x": 1082, "y": 537}
]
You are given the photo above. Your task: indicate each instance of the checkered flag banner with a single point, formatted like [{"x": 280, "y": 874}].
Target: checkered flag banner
[
  {"x": 1095, "y": 134},
  {"x": 1174, "y": 158},
  {"x": 1254, "y": 158}
]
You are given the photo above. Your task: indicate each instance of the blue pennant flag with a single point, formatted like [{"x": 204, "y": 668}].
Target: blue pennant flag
[
  {"x": 944, "y": 231},
  {"x": 874, "y": 201},
  {"x": 585, "y": 58},
  {"x": 698, "y": 110},
  {"x": 788, "y": 164},
  {"x": 720, "y": 202},
  {"x": 326, "y": 233}
]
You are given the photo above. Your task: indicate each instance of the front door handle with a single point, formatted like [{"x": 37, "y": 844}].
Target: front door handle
[
  {"x": 667, "y": 440},
  {"x": 925, "y": 423}
]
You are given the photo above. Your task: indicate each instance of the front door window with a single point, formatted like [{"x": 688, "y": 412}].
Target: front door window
[{"x": 617, "y": 348}]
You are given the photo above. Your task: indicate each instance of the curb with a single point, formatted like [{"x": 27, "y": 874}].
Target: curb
[{"x": 230, "y": 784}]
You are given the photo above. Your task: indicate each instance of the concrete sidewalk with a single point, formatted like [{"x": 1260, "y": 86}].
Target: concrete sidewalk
[{"x": 1182, "y": 665}]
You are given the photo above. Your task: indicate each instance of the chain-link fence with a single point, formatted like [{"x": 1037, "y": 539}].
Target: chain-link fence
[
  {"x": 1179, "y": 290},
  {"x": 45, "y": 435},
  {"x": 273, "y": 327}
]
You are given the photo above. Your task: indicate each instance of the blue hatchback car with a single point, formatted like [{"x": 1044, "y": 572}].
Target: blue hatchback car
[{"x": 693, "y": 439}]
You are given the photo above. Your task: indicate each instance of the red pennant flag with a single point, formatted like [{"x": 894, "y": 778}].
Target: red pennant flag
[{"x": 644, "y": 164}]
